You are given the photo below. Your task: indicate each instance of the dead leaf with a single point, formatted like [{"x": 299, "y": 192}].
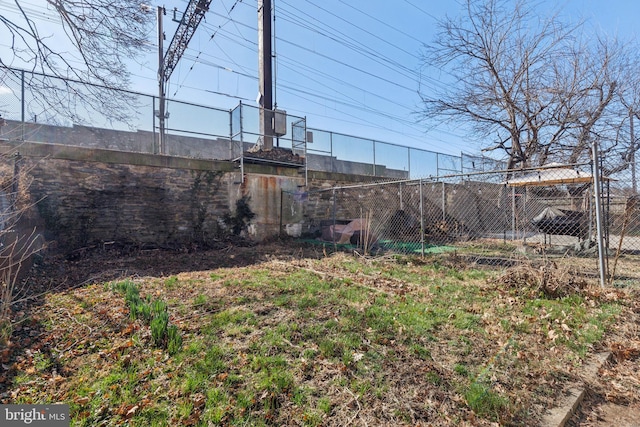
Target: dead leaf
[
  {"x": 81, "y": 400},
  {"x": 132, "y": 411}
]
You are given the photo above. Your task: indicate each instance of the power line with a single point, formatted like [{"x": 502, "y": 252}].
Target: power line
[
  {"x": 359, "y": 10},
  {"x": 312, "y": 70},
  {"x": 211, "y": 38},
  {"x": 421, "y": 10},
  {"x": 368, "y": 73},
  {"x": 356, "y": 26}
]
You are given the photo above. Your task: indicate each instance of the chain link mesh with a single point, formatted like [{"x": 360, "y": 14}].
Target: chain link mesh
[{"x": 486, "y": 217}]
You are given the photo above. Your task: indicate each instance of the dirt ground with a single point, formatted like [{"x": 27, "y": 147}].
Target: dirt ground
[
  {"x": 610, "y": 414},
  {"x": 106, "y": 264}
]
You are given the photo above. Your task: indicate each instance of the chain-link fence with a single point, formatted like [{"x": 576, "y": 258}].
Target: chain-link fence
[{"x": 490, "y": 217}]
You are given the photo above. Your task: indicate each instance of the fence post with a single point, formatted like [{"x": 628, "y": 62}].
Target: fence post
[
  {"x": 281, "y": 210},
  {"x": 375, "y": 172},
  {"x": 513, "y": 213},
  {"x": 22, "y": 106},
  {"x": 444, "y": 202},
  {"x": 241, "y": 143},
  {"x": 155, "y": 136},
  {"x": 421, "y": 219},
  {"x": 306, "y": 163},
  {"x": 598, "y": 201},
  {"x": 231, "y": 133},
  {"x": 333, "y": 166},
  {"x": 333, "y": 233},
  {"x": 634, "y": 185}
]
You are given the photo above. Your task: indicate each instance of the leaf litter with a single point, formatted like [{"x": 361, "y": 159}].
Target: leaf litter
[{"x": 284, "y": 335}]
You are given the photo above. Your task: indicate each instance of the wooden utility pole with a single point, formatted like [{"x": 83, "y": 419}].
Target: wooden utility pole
[{"x": 265, "y": 97}]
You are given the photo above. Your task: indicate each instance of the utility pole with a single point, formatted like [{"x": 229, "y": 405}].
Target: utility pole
[
  {"x": 161, "y": 82},
  {"x": 265, "y": 96},
  {"x": 191, "y": 18}
]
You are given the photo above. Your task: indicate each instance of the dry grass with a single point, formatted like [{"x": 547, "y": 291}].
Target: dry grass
[{"x": 289, "y": 339}]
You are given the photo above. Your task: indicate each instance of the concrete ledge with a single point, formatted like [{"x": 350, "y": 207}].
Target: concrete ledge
[
  {"x": 558, "y": 416},
  {"x": 101, "y": 155}
]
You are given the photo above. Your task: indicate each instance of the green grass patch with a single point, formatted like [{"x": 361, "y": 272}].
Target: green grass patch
[{"x": 309, "y": 346}]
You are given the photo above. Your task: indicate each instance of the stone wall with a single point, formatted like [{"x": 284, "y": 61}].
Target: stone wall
[
  {"x": 88, "y": 198},
  {"x": 88, "y": 203}
]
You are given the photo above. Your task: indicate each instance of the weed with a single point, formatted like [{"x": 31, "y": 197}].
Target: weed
[
  {"x": 330, "y": 348},
  {"x": 200, "y": 300},
  {"x": 324, "y": 405},
  {"x": 461, "y": 370},
  {"x": 171, "y": 282},
  {"x": 299, "y": 396},
  {"x": 146, "y": 312},
  {"x": 241, "y": 217},
  {"x": 152, "y": 312},
  {"x": 484, "y": 401},
  {"x": 195, "y": 381},
  {"x": 308, "y": 302},
  {"x": 174, "y": 340},
  {"x": 464, "y": 320},
  {"x": 122, "y": 286},
  {"x": 434, "y": 378},
  {"x": 159, "y": 328},
  {"x": 311, "y": 419},
  {"x": 420, "y": 351}
]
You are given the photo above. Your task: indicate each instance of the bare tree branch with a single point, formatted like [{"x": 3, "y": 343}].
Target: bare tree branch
[
  {"x": 105, "y": 35},
  {"x": 534, "y": 82}
]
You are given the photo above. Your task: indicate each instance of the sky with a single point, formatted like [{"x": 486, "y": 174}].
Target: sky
[{"x": 349, "y": 66}]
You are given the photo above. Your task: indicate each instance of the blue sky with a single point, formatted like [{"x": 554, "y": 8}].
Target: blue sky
[{"x": 352, "y": 67}]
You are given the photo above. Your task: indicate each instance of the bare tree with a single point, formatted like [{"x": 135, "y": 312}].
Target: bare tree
[
  {"x": 105, "y": 36},
  {"x": 536, "y": 88}
]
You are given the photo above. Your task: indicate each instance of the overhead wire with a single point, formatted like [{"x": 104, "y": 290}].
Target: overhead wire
[
  {"x": 292, "y": 64},
  {"x": 386, "y": 24},
  {"x": 311, "y": 70},
  {"x": 228, "y": 19},
  {"x": 360, "y": 105},
  {"x": 252, "y": 28},
  {"x": 344, "y": 39}
]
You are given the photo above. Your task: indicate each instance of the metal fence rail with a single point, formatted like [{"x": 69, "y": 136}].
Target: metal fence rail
[{"x": 197, "y": 131}]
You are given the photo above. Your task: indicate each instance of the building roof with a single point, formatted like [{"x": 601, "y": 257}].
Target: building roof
[{"x": 551, "y": 174}]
